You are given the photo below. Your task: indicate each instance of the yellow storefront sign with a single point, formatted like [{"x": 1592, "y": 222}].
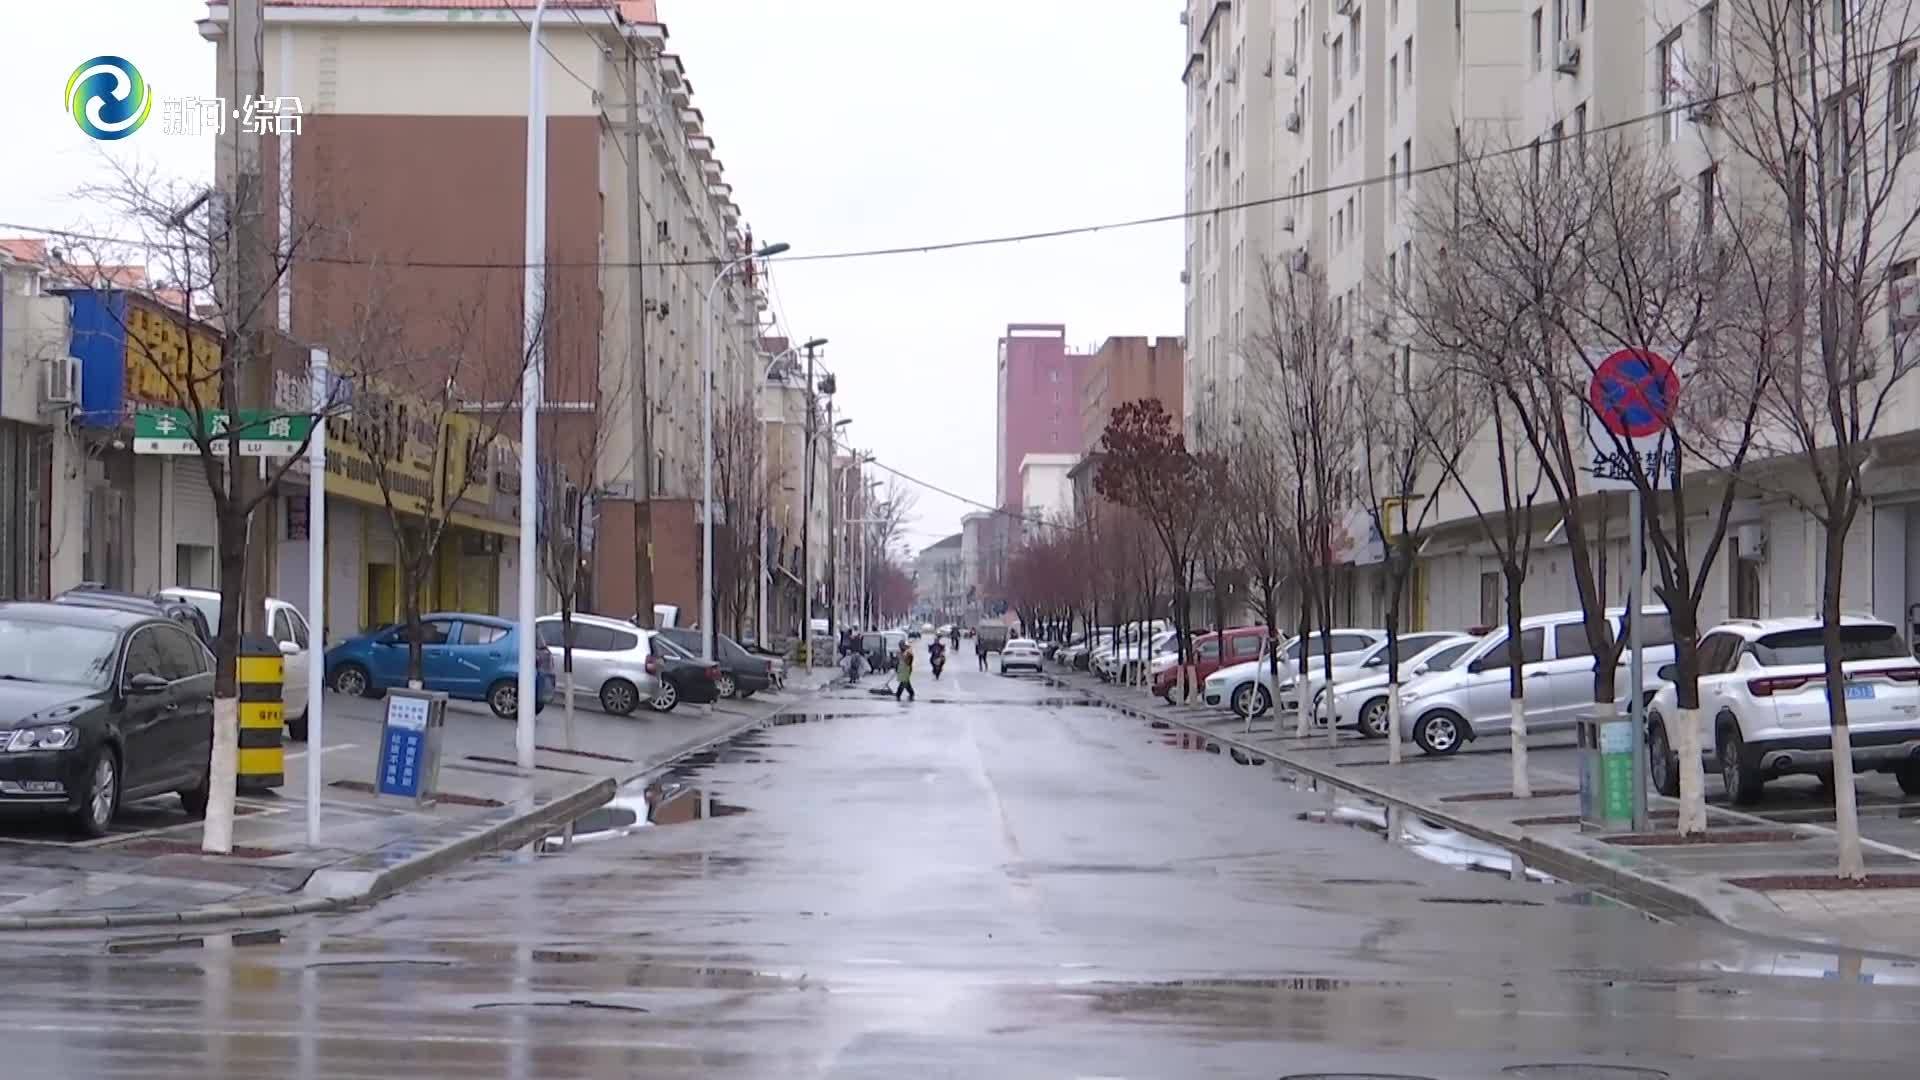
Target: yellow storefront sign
[{"x": 163, "y": 361}]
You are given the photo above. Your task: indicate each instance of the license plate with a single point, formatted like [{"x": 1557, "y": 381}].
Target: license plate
[{"x": 1859, "y": 692}]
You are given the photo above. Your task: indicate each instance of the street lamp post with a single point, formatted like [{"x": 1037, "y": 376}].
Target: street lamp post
[
  {"x": 706, "y": 449},
  {"x": 533, "y": 342}
]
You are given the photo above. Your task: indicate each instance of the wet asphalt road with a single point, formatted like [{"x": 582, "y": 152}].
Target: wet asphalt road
[{"x": 993, "y": 881}]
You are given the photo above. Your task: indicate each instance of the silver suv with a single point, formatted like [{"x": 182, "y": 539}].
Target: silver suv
[{"x": 1468, "y": 700}]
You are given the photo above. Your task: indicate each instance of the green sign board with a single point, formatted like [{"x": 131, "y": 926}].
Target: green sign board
[{"x": 262, "y": 432}]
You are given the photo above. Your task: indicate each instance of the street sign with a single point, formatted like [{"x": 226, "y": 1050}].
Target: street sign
[
  {"x": 409, "y": 762},
  {"x": 262, "y": 432},
  {"x": 1630, "y": 404}
]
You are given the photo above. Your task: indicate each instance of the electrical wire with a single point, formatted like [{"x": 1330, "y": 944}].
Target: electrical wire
[
  {"x": 1448, "y": 165},
  {"x": 957, "y": 497}
]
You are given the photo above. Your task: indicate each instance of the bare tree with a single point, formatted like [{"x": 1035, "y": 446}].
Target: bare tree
[
  {"x": 740, "y": 496},
  {"x": 1306, "y": 350},
  {"x": 198, "y": 335},
  {"x": 1257, "y": 530},
  {"x": 1817, "y": 119}
]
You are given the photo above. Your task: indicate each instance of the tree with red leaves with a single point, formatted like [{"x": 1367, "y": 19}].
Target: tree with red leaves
[{"x": 1146, "y": 467}]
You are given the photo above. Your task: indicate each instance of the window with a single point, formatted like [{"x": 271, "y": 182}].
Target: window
[
  {"x": 1533, "y": 157},
  {"x": 1247, "y": 647},
  {"x": 1718, "y": 653},
  {"x": 1346, "y": 643},
  {"x": 1210, "y": 650},
  {"x": 143, "y": 655},
  {"x": 1857, "y": 642},
  {"x": 1557, "y": 138},
  {"x": 1353, "y": 41},
  {"x": 1669, "y": 69},
  {"x": 1407, "y": 51},
  {"x": 1656, "y": 628},
  {"x": 1570, "y": 641},
  {"x": 1490, "y": 598},
  {"x": 1406, "y": 166},
  {"x": 480, "y": 635},
  {"x": 1532, "y": 642},
  {"x": 1710, "y": 45},
  {"x": 1583, "y": 14},
  {"x": 1337, "y": 42},
  {"x": 432, "y": 632},
  {"x": 1538, "y": 37},
  {"x": 181, "y": 657},
  {"x": 1393, "y": 90},
  {"x": 1580, "y": 130},
  {"x": 1562, "y": 26},
  {"x": 1744, "y": 568},
  {"x": 1709, "y": 195},
  {"x": 282, "y": 626},
  {"x": 1900, "y": 99}
]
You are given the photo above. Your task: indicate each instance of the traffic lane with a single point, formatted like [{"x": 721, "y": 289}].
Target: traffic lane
[{"x": 1012, "y": 886}]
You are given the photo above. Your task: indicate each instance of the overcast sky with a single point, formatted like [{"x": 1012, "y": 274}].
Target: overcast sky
[{"x": 843, "y": 124}]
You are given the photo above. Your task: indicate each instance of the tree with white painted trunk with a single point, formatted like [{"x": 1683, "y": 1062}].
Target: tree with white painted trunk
[
  {"x": 199, "y": 337},
  {"x": 1256, "y": 526},
  {"x": 1817, "y": 116}
]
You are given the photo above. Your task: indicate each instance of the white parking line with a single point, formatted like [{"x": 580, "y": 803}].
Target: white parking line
[{"x": 324, "y": 750}]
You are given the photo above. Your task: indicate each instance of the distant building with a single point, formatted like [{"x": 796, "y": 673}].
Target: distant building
[
  {"x": 1038, "y": 410},
  {"x": 1128, "y": 369},
  {"x": 939, "y": 588},
  {"x": 1048, "y": 490}
]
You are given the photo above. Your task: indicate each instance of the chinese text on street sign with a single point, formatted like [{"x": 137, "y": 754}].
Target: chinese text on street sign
[{"x": 262, "y": 433}]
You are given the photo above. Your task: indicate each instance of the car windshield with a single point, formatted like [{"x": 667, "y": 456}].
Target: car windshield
[
  {"x": 38, "y": 651},
  {"x": 1448, "y": 657},
  {"x": 1802, "y": 646}
]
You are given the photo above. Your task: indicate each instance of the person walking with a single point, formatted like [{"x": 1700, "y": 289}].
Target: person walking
[
  {"x": 903, "y": 671},
  {"x": 980, "y": 650}
]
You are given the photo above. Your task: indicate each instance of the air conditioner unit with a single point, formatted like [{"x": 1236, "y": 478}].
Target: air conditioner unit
[
  {"x": 1343, "y": 7},
  {"x": 1567, "y": 59},
  {"x": 1183, "y": 18},
  {"x": 1293, "y": 122},
  {"x": 1186, "y": 278},
  {"x": 1346, "y": 345},
  {"x": 1752, "y": 540},
  {"x": 1229, "y": 73},
  {"x": 1297, "y": 262},
  {"x": 1903, "y": 308},
  {"x": 1286, "y": 223},
  {"x": 1291, "y": 67},
  {"x": 60, "y": 382}
]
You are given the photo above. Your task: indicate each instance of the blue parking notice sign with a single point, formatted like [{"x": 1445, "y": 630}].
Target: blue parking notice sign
[{"x": 408, "y": 753}]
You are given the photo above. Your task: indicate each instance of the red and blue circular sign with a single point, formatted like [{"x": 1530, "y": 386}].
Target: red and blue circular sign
[{"x": 1634, "y": 392}]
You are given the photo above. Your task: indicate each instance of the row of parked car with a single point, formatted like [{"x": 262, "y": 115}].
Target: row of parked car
[
  {"x": 1763, "y": 705},
  {"x": 107, "y": 697}
]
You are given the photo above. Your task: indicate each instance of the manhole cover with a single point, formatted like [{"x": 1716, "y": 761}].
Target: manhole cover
[{"x": 1550, "y": 1071}]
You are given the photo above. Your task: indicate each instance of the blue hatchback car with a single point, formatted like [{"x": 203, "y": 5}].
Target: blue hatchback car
[{"x": 474, "y": 657}]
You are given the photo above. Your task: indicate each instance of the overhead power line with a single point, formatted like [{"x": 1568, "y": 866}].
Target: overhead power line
[{"x": 1681, "y": 107}]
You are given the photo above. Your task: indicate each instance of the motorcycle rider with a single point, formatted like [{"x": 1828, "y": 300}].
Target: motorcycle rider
[{"x": 937, "y": 657}]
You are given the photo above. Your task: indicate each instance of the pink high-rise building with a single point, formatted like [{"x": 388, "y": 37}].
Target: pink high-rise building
[{"x": 1039, "y": 403}]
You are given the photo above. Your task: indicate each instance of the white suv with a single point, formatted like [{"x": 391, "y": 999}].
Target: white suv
[
  {"x": 1764, "y": 712},
  {"x": 1470, "y": 699}
]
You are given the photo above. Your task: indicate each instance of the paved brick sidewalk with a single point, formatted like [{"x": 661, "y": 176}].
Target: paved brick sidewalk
[
  {"x": 1682, "y": 880},
  {"x": 149, "y": 868}
]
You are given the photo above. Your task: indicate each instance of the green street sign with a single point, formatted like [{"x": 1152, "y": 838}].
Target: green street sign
[{"x": 262, "y": 432}]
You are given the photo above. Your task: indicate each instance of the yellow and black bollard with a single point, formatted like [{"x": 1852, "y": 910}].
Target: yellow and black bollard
[{"x": 263, "y": 761}]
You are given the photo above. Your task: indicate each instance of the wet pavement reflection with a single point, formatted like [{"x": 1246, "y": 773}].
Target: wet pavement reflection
[{"x": 1008, "y": 883}]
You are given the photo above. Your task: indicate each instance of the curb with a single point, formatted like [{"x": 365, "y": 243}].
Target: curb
[
  {"x": 1599, "y": 868},
  {"x": 511, "y": 832}
]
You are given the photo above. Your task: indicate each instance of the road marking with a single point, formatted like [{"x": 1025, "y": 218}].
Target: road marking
[{"x": 323, "y": 750}]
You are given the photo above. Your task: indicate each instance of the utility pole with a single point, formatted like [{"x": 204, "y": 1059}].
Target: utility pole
[
  {"x": 806, "y": 520},
  {"x": 642, "y": 405},
  {"x": 833, "y": 562}
]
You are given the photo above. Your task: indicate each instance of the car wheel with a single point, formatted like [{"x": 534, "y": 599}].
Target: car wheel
[
  {"x": 194, "y": 799},
  {"x": 102, "y": 797},
  {"x": 745, "y": 694},
  {"x": 352, "y": 679},
  {"x": 1374, "y": 719},
  {"x": 619, "y": 697},
  {"x": 727, "y": 687},
  {"x": 1908, "y": 773},
  {"x": 297, "y": 728},
  {"x": 665, "y": 698},
  {"x": 1663, "y": 765},
  {"x": 1438, "y": 733},
  {"x": 1743, "y": 782},
  {"x": 1251, "y": 699},
  {"x": 503, "y": 698}
]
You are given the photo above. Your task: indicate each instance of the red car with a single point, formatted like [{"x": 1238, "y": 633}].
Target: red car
[{"x": 1239, "y": 645}]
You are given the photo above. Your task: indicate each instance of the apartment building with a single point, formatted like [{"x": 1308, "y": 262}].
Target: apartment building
[
  {"x": 1037, "y": 402},
  {"x": 1127, "y": 369},
  {"x": 415, "y": 171}
]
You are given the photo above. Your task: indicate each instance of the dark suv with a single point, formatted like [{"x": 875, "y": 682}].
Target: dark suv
[
  {"x": 187, "y": 615},
  {"x": 742, "y": 674}
]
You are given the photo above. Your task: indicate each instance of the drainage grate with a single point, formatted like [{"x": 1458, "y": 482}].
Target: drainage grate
[
  {"x": 1370, "y": 881},
  {"x": 1495, "y": 796},
  {"x": 1724, "y": 836},
  {"x": 586, "y": 754},
  {"x": 570, "y": 1003},
  {"x": 1479, "y": 900}
]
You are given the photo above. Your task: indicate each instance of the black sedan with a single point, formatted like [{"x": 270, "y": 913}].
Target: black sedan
[
  {"x": 683, "y": 677},
  {"x": 742, "y": 674},
  {"x": 100, "y": 705}
]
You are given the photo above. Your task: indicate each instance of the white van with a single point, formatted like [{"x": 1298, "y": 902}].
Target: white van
[{"x": 1470, "y": 699}]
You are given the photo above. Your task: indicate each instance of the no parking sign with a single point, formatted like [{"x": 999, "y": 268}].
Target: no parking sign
[{"x": 1630, "y": 404}]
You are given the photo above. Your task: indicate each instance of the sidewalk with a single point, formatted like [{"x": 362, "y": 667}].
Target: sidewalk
[
  {"x": 149, "y": 870},
  {"x": 1470, "y": 792}
]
